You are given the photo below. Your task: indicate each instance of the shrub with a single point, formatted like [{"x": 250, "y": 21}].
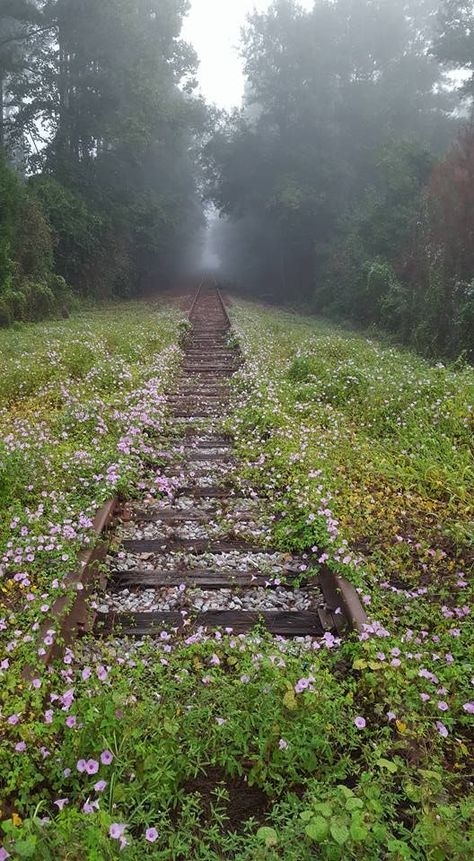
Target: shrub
[
  {"x": 6, "y": 316},
  {"x": 77, "y": 230}
]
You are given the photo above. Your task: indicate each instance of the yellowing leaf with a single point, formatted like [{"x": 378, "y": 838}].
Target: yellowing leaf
[
  {"x": 17, "y": 820},
  {"x": 400, "y": 726},
  {"x": 268, "y": 836},
  {"x": 289, "y": 701}
]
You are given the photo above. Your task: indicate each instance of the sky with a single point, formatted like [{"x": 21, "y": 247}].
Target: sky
[{"x": 213, "y": 27}]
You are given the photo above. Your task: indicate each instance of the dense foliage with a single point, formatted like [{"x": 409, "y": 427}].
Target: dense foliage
[
  {"x": 245, "y": 748},
  {"x": 326, "y": 175},
  {"x": 98, "y": 105}
]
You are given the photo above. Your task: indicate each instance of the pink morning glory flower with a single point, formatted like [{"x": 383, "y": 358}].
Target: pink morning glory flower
[
  {"x": 116, "y": 830},
  {"x": 81, "y": 765},
  {"x": 443, "y": 707},
  {"x": 106, "y": 757},
  {"x": 360, "y": 722},
  {"x": 4, "y": 854},
  {"x": 469, "y": 708},
  {"x": 282, "y": 744},
  {"x": 61, "y": 803},
  {"x": 20, "y": 747},
  {"x": 443, "y": 731},
  {"x": 92, "y": 766},
  {"x": 151, "y": 834},
  {"x": 100, "y": 785}
]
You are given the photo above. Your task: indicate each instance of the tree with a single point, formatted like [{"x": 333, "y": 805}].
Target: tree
[
  {"x": 455, "y": 43},
  {"x": 21, "y": 23},
  {"x": 104, "y": 97},
  {"x": 327, "y": 92}
]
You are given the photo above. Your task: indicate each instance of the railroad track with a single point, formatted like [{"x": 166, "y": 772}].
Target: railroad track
[
  {"x": 193, "y": 562},
  {"x": 200, "y": 559}
]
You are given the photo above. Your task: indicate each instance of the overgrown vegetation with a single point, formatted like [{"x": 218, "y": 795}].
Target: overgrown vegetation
[
  {"x": 245, "y": 747},
  {"x": 98, "y": 111},
  {"x": 341, "y": 179}
]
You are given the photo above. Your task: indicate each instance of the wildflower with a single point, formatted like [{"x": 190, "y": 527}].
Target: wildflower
[
  {"x": 443, "y": 707},
  {"x": 301, "y": 685},
  {"x": 360, "y": 722},
  {"x": 100, "y": 785},
  {"x": 71, "y": 721},
  {"x": 282, "y": 744},
  {"x": 391, "y": 715},
  {"x": 61, "y": 803},
  {"x": 13, "y": 719},
  {"x": 20, "y": 747},
  {"x": 4, "y": 854},
  {"x": 116, "y": 830},
  {"x": 469, "y": 708},
  {"x": 151, "y": 834},
  {"x": 81, "y": 766},
  {"x": 92, "y": 766},
  {"x": 443, "y": 731},
  {"x": 106, "y": 757}
]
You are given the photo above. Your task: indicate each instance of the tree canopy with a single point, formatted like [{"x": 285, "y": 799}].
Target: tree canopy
[
  {"x": 99, "y": 104},
  {"x": 347, "y": 109}
]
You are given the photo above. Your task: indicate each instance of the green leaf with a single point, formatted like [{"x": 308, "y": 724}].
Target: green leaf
[
  {"x": 324, "y": 808},
  {"x": 391, "y": 766},
  {"x": 354, "y": 803},
  {"x": 318, "y": 829},
  {"x": 268, "y": 836},
  {"x": 306, "y": 815},
  {"x": 430, "y": 775},
  {"x": 359, "y": 832},
  {"x": 345, "y": 791},
  {"x": 359, "y": 664},
  {"x": 26, "y": 848},
  {"x": 339, "y": 833}
]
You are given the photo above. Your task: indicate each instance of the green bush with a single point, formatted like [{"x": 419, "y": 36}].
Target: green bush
[
  {"x": 77, "y": 230},
  {"x": 29, "y": 288},
  {"x": 6, "y": 316}
]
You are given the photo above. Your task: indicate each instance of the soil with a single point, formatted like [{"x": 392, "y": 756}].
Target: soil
[{"x": 243, "y": 802}]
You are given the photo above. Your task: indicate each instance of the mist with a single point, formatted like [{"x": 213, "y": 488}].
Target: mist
[
  {"x": 333, "y": 179},
  {"x": 341, "y": 181}
]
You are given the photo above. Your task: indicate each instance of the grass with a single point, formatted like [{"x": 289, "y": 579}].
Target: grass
[{"x": 356, "y": 752}]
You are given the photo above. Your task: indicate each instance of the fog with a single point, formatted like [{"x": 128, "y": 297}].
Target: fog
[{"x": 339, "y": 177}]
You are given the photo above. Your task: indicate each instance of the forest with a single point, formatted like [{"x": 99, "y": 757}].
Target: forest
[{"x": 345, "y": 183}]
